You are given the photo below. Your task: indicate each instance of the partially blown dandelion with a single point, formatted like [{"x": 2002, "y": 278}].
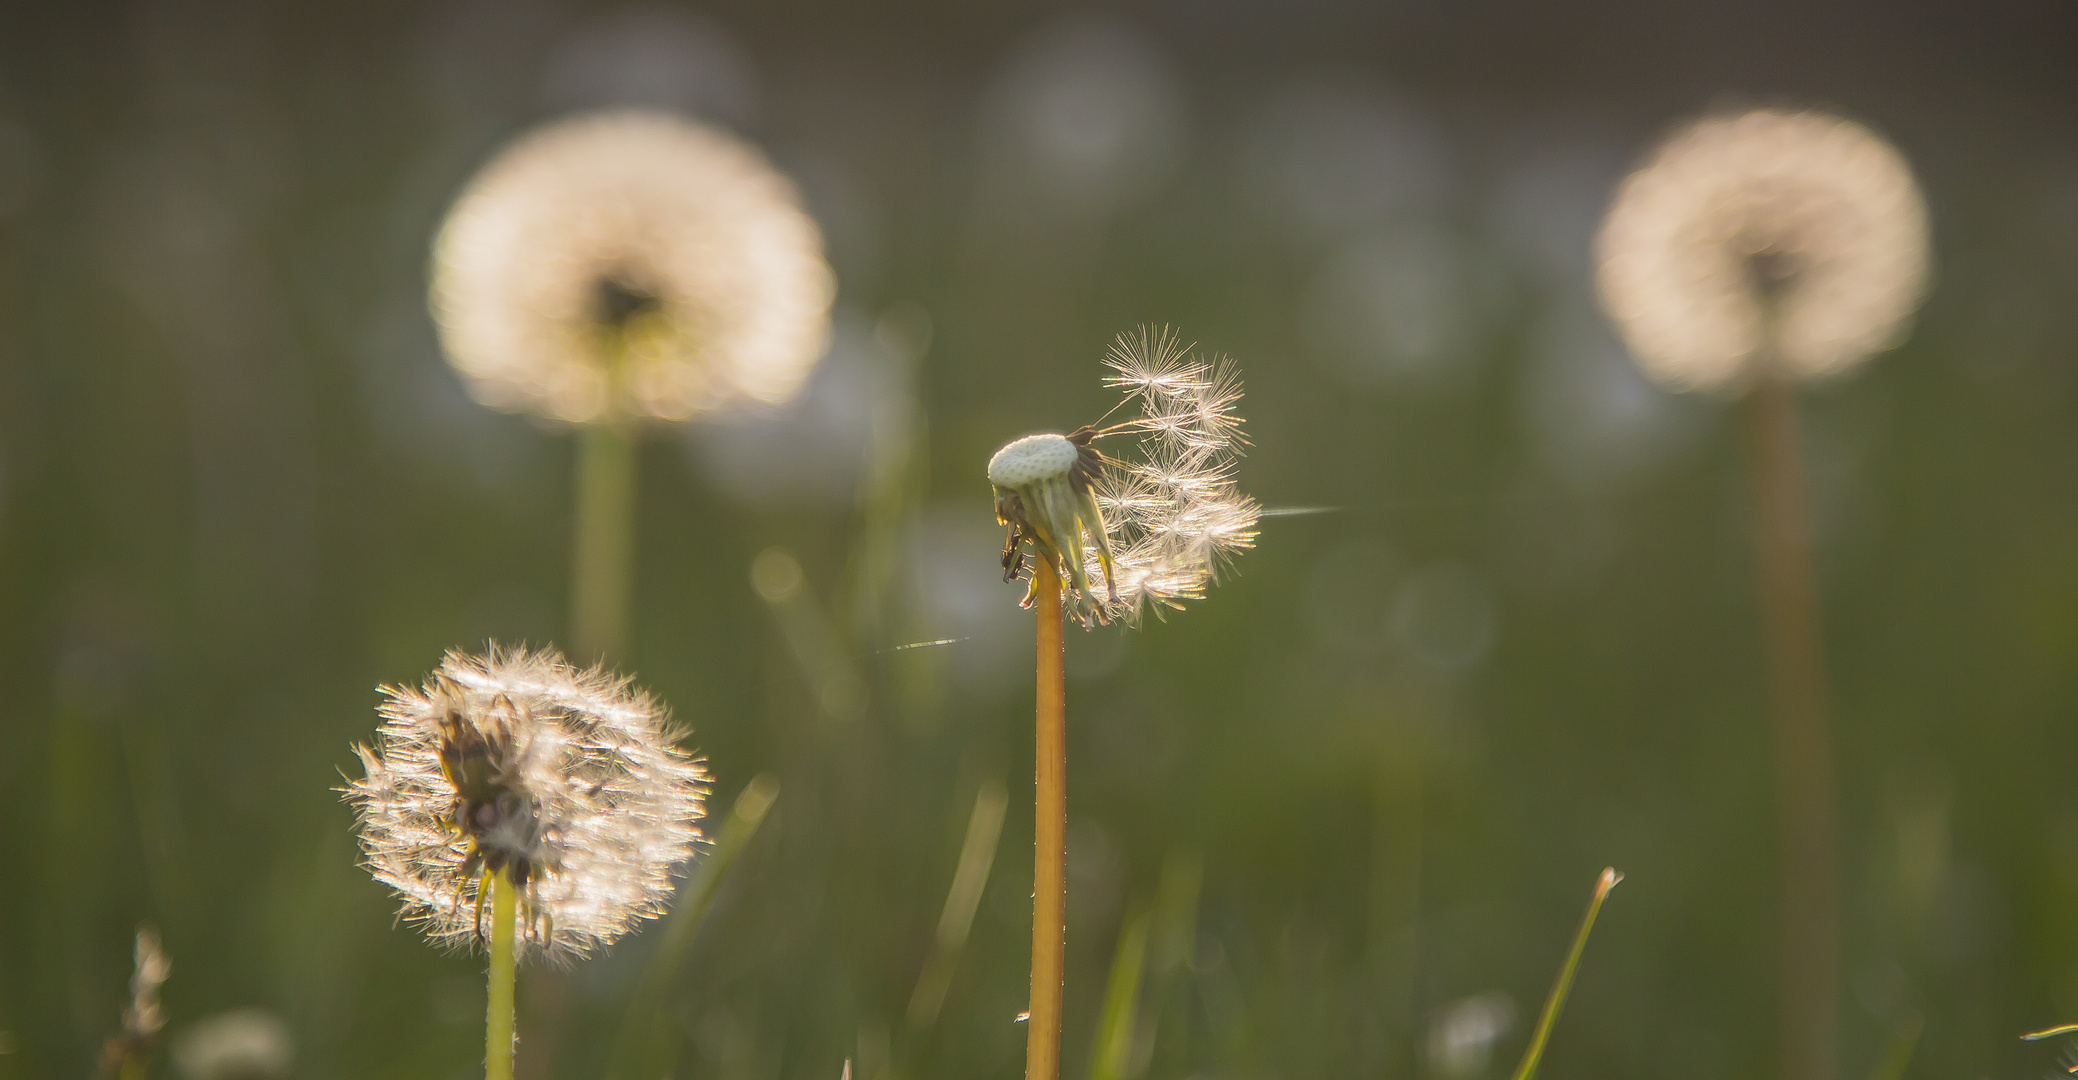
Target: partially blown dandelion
[
  {"x": 1126, "y": 532},
  {"x": 565, "y": 782},
  {"x": 1153, "y": 527}
]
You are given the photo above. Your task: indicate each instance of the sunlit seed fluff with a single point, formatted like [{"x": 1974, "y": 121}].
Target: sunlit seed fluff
[
  {"x": 632, "y": 265},
  {"x": 1792, "y": 234},
  {"x": 596, "y": 805},
  {"x": 1152, "y": 526}
]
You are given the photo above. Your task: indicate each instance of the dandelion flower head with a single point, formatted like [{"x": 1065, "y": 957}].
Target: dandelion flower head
[
  {"x": 569, "y": 781},
  {"x": 630, "y": 265},
  {"x": 1153, "y": 525},
  {"x": 1792, "y": 235}
]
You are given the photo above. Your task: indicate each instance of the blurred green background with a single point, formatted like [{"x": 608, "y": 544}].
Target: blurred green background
[{"x": 241, "y": 489}]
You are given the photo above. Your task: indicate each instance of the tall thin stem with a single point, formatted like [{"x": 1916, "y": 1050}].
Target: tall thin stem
[
  {"x": 1050, "y": 833},
  {"x": 977, "y": 856},
  {"x": 1548, "y": 1019},
  {"x": 603, "y": 546},
  {"x": 497, "y": 1037},
  {"x": 1800, "y": 743}
]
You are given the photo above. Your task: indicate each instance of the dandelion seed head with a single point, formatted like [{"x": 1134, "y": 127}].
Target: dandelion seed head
[
  {"x": 1153, "y": 525},
  {"x": 590, "y": 803},
  {"x": 630, "y": 265},
  {"x": 1795, "y": 235}
]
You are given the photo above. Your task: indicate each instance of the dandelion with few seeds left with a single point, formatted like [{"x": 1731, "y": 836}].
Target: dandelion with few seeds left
[
  {"x": 1144, "y": 529},
  {"x": 1150, "y": 527},
  {"x": 521, "y": 804}
]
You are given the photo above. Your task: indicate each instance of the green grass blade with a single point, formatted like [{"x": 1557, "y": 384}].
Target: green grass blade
[
  {"x": 977, "y": 857},
  {"x": 1557, "y": 1000},
  {"x": 1904, "y": 1039},
  {"x": 639, "y": 1038},
  {"x": 1117, "y": 1024}
]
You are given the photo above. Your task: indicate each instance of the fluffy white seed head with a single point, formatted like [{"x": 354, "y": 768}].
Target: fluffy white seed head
[
  {"x": 593, "y": 795},
  {"x": 1154, "y": 523},
  {"x": 633, "y": 265},
  {"x": 1792, "y": 235}
]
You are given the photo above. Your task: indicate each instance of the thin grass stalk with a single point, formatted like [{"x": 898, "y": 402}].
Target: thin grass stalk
[
  {"x": 1050, "y": 832},
  {"x": 1118, "y": 1025},
  {"x": 638, "y": 1051},
  {"x": 1800, "y": 743},
  {"x": 977, "y": 856},
  {"x": 1547, "y": 1020},
  {"x": 1393, "y": 930},
  {"x": 603, "y": 546},
  {"x": 1898, "y": 1049},
  {"x": 498, "y": 1018},
  {"x": 1172, "y": 943}
]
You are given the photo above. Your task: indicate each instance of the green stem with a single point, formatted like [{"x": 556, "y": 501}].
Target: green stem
[
  {"x": 603, "y": 545},
  {"x": 1557, "y": 1000},
  {"x": 498, "y": 1039}
]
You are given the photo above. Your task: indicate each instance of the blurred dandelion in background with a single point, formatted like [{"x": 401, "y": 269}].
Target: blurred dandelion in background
[
  {"x": 1796, "y": 236},
  {"x": 620, "y": 268},
  {"x": 1753, "y": 252},
  {"x": 1086, "y": 116},
  {"x": 630, "y": 265},
  {"x": 515, "y": 762},
  {"x": 244, "y": 1044},
  {"x": 1327, "y": 158}
]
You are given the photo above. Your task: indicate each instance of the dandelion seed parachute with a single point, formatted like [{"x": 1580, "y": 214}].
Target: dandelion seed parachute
[
  {"x": 1792, "y": 230},
  {"x": 1148, "y": 529},
  {"x": 630, "y": 264},
  {"x": 606, "y": 804}
]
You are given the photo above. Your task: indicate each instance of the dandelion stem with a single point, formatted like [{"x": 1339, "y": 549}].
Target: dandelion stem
[
  {"x": 1557, "y": 1001},
  {"x": 1800, "y": 745},
  {"x": 603, "y": 545},
  {"x": 1050, "y": 832},
  {"x": 498, "y": 1040}
]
